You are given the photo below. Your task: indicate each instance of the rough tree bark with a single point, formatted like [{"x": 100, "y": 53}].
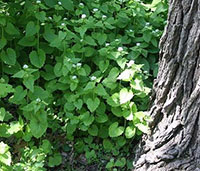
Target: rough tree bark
[{"x": 174, "y": 143}]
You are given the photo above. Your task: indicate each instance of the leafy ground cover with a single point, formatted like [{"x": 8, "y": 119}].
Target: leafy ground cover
[{"x": 75, "y": 81}]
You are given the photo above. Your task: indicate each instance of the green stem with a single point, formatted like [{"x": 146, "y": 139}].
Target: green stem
[
  {"x": 38, "y": 36},
  {"x": 1, "y": 51}
]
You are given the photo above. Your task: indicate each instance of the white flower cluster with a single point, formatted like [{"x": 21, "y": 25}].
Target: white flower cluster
[
  {"x": 93, "y": 78},
  {"x": 62, "y": 24},
  {"x": 155, "y": 31},
  {"x": 77, "y": 65},
  {"x": 131, "y": 62},
  {"x": 38, "y": 1},
  {"x": 107, "y": 44},
  {"x": 74, "y": 77},
  {"x": 120, "y": 49},
  {"x": 38, "y": 100},
  {"x": 59, "y": 3},
  {"x": 138, "y": 44},
  {"x": 83, "y": 16},
  {"x": 147, "y": 24},
  {"x": 104, "y": 16},
  {"x": 95, "y": 10},
  {"x": 25, "y": 66}
]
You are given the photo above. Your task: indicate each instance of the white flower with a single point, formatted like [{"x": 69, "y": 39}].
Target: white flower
[
  {"x": 74, "y": 77},
  {"x": 50, "y": 18},
  {"x": 79, "y": 64},
  {"x": 131, "y": 30},
  {"x": 138, "y": 44},
  {"x": 81, "y": 40},
  {"x": 59, "y": 3},
  {"x": 95, "y": 9},
  {"x": 38, "y": 100},
  {"x": 156, "y": 30},
  {"x": 117, "y": 40},
  {"x": 147, "y": 24},
  {"x": 120, "y": 49},
  {"x": 65, "y": 18},
  {"x": 104, "y": 16},
  {"x": 131, "y": 62},
  {"x": 83, "y": 16},
  {"x": 38, "y": 1},
  {"x": 74, "y": 65},
  {"x": 93, "y": 78},
  {"x": 25, "y": 66},
  {"x": 63, "y": 24},
  {"x": 42, "y": 24},
  {"x": 107, "y": 44},
  {"x": 81, "y": 4}
]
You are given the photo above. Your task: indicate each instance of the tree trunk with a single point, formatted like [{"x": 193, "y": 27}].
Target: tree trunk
[{"x": 174, "y": 143}]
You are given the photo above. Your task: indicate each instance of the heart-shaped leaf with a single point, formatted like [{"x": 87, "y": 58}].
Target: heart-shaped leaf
[
  {"x": 92, "y": 104},
  {"x": 115, "y": 131},
  {"x": 37, "y": 58},
  {"x": 125, "y": 95}
]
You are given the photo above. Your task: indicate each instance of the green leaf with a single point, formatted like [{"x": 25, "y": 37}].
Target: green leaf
[
  {"x": 90, "y": 41},
  {"x": 130, "y": 132},
  {"x": 58, "y": 69},
  {"x": 5, "y": 89},
  {"x": 143, "y": 127},
  {"x": 73, "y": 86},
  {"x": 29, "y": 83},
  {"x": 126, "y": 75},
  {"x": 101, "y": 118},
  {"x": 121, "y": 162},
  {"x": 4, "y": 130},
  {"x": 40, "y": 16},
  {"x": 92, "y": 104},
  {"x": 113, "y": 100},
  {"x": 3, "y": 43},
  {"x": 46, "y": 146},
  {"x": 55, "y": 160},
  {"x": 9, "y": 57},
  {"x": 125, "y": 95},
  {"x": 2, "y": 113},
  {"x": 27, "y": 41},
  {"x": 107, "y": 144},
  {"x": 78, "y": 104},
  {"x": 50, "y": 3},
  {"x": 37, "y": 58},
  {"x": 93, "y": 130},
  {"x": 19, "y": 74},
  {"x": 87, "y": 118},
  {"x": 89, "y": 86},
  {"x": 102, "y": 37},
  {"x": 38, "y": 124},
  {"x": 31, "y": 29},
  {"x": 115, "y": 131},
  {"x": 5, "y": 155},
  {"x": 100, "y": 90},
  {"x": 67, "y": 4},
  {"x": 11, "y": 29},
  {"x": 15, "y": 126},
  {"x": 147, "y": 36},
  {"x": 103, "y": 65}
]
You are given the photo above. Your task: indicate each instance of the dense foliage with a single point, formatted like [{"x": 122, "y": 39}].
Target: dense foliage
[{"x": 75, "y": 80}]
